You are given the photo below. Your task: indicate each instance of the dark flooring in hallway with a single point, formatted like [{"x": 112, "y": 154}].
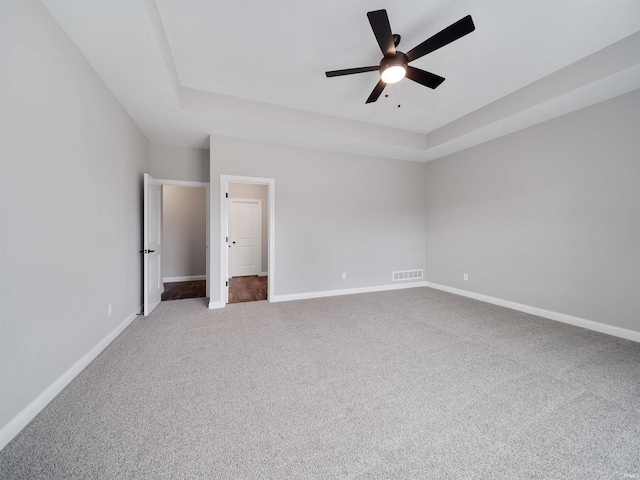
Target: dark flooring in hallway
[
  {"x": 241, "y": 289},
  {"x": 182, "y": 290},
  {"x": 247, "y": 289}
]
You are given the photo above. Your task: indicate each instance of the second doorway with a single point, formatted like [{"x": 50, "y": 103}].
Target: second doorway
[{"x": 248, "y": 242}]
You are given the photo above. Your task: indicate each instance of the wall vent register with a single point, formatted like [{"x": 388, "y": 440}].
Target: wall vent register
[{"x": 407, "y": 275}]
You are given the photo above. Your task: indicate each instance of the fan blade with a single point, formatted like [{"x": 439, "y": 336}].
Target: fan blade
[
  {"x": 351, "y": 71},
  {"x": 427, "y": 79},
  {"x": 382, "y": 30},
  {"x": 442, "y": 38},
  {"x": 376, "y": 92}
]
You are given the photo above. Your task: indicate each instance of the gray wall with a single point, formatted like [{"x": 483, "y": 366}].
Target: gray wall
[
  {"x": 171, "y": 162},
  {"x": 257, "y": 192},
  {"x": 547, "y": 217},
  {"x": 70, "y": 206},
  {"x": 184, "y": 231},
  {"x": 333, "y": 213}
]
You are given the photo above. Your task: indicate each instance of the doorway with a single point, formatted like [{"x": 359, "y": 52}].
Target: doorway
[
  {"x": 184, "y": 233},
  {"x": 248, "y": 246},
  {"x": 153, "y": 242},
  {"x": 247, "y": 217}
]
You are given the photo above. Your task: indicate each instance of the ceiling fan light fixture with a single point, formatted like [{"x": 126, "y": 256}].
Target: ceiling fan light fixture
[
  {"x": 394, "y": 66},
  {"x": 393, "y": 73}
]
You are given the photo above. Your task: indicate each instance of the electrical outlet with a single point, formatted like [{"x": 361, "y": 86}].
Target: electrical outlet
[
  {"x": 344, "y": 275},
  {"x": 465, "y": 276},
  {"x": 109, "y": 310}
]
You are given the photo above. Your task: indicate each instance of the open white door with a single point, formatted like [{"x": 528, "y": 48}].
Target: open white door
[{"x": 152, "y": 248}]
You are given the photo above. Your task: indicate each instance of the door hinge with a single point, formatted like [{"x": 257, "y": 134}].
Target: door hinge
[
  {"x": 227, "y": 194},
  {"x": 227, "y": 284},
  {"x": 227, "y": 239}
]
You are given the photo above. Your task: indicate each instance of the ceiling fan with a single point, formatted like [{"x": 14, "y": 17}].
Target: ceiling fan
[{"x": 394, "y": 66}]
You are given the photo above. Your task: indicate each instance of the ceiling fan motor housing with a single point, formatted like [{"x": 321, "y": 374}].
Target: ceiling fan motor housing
[
  {"x": 393, "y": 68},
  {"x": 399, "y": 60}
]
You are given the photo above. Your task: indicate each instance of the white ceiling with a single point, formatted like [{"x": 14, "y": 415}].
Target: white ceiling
[{"x": 255, "y": 69}]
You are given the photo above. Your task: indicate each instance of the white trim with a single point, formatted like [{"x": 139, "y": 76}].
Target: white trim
[
  {"x": 551, "y": 315},
  {"x": 345, "y": 291},
  {"x": 183, "y": 183},
  {"x": 224, "y": 229},
  {"x": 21, "y": 420},
  {"x": 214, "y": 305},
  {"x": 263, "y": 274},
  {"x": 206, "y": 186},
  {"x": 188, "y": 278}
]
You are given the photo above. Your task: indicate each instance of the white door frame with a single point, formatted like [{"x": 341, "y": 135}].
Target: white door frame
[
  {"x": 225, "y": 180},
  {"x": 205, "y": 185}
]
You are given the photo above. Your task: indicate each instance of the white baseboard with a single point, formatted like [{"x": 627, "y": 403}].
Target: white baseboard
[
  {"x": 263, "y": 274},
  {"x": 184, "y": 279},
  {"x": 21, "y": 420},
  {"x": 345, "y": 291},
  {"x": 213, "y": 305},
  {"x": 541, "y": 312}
]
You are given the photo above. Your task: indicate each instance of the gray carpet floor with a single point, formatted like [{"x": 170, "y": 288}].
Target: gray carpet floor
[{"x": 401, "y": 385}]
